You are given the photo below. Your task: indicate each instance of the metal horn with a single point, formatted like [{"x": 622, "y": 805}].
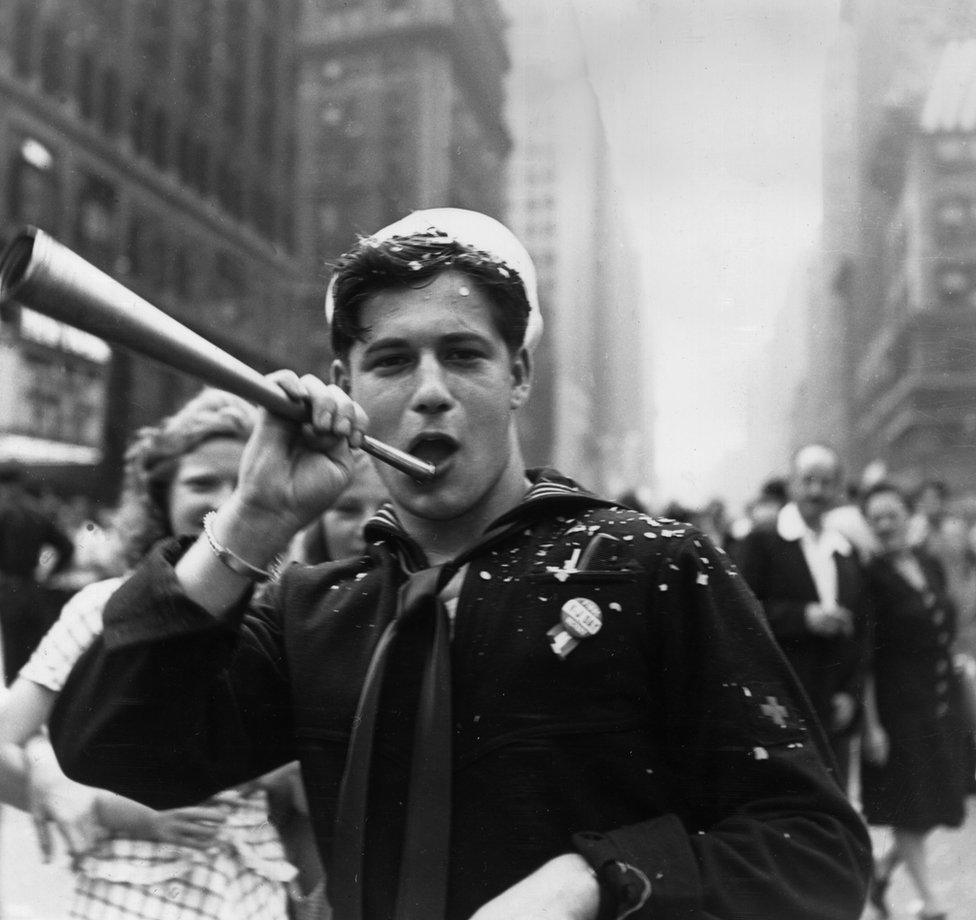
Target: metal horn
[{"x": 43, "y": 274}]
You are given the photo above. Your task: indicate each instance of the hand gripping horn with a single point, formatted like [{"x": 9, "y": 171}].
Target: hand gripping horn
[{"x": 41, "y": 273}]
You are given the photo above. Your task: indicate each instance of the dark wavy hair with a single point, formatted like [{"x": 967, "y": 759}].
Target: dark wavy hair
[
  {"x": 153, "y": 458},
  {"x": 414, "y": 261}
]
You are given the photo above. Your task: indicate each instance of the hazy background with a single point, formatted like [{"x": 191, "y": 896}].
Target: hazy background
[{"x": 712, "y": 108}]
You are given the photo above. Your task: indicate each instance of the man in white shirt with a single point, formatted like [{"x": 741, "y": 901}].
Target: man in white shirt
[{"x": 811, "y": 586}]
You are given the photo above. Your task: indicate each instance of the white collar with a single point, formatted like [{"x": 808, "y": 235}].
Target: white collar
[{"x": 791, "y": 526}]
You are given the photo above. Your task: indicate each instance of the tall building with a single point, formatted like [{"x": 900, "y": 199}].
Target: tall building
[
  {"x": 401, "y": 107},
  {"x": 587, "y": 415},
  {"x": 891, "y": 333},
  {"x": 157, "y": 140}
]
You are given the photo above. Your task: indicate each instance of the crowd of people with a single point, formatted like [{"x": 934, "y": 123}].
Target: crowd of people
[
  {"x": 283, "y": 681},
  {"x": 870, "y": 590},
  {"x": 246, "y": 852}
]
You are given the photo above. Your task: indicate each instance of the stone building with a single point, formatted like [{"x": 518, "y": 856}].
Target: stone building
[
  {"x": 891, "y": 326},
  {"x": 400, "y": 107},
  {"x": 157, "y": 140}
]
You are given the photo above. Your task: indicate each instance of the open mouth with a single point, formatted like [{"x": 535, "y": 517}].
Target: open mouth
[{"x": 433, "y": 447}]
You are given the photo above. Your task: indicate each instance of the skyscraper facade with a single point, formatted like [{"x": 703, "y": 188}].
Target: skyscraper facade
[
  {"x": 588, "y": 414},
  {"x": 893, "y": 329},
  {"x": 157, "y": 140},
  {"x": 401, "y": 107}
]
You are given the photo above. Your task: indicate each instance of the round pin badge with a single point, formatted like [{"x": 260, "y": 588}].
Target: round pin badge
[{"x": 581, "y": 617}]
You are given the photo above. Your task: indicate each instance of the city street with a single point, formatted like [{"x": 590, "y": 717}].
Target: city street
[
  {"x": 954, "y": 870},
  {"x": 32, "y": 891}
]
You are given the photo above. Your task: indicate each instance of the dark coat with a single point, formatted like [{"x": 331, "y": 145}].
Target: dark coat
[
  {"x": 777, "y": 572},
  {"x": 924, "y": 782},
  {"x": 27, "y": 609},
  {"x": 674, "y": 740}
]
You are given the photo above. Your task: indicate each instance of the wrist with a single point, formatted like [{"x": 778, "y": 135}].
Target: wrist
[
  {"x": 252, "y": 533},
  {"x": 40, "y": 762},
  {"x": 577, "y": 885}
]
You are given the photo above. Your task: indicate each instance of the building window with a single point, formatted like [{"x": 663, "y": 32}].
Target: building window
[
  {"x": 235, "y": 37},
  {"x": 287, "y": 226},
  {"x": 110, "y": 102},
  {"x": 230, "y": 288},
  {"x": 201, "y": 168},
  {"x": 95, "y": 228},
  {"x": 234, "y": 103},
  {"x": 109, "y": 10},
  {"x": 34, "y": 194},
  {"x": 25, "y": 22},
  {"x": 184, "y": 273},
  {"x": 264, "y": 212},
  {"x": 954, "y": 151},
  {"x": 339, "y": 141},
  {"x": 184, "y": 156},
  {"x": 266, "y": 130},
  {"x": 52, "y": 60},
  {"x": 135, "y": 247},
  {"x": 146, "y": 250},
  {"x": 229, "y": 190},
  {"x": 159, "y": 139},
  {"x": 954, "y": 284},
  {"x": 42, "y": 396},
  {"x": 955, "y": 219},
  {"x": 62, "y": 398},
  {"x": 332, "y": 70},
  {"x": 268, "y": 69},
  {"x": 198, "y": 52},
  {"x": 138, "y": 125},
  {"x": 85, "y": 88},
  {"x": 155, "y": 32}
]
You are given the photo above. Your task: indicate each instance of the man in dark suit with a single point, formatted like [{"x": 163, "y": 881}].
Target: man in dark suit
[{"x": 810, "y": 584}]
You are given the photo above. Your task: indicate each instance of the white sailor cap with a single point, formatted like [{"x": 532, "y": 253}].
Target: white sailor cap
[{"x": 475, "y": 231}]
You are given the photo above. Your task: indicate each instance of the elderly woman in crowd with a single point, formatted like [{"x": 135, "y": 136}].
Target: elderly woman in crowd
[{"x": 914, "y": 775}]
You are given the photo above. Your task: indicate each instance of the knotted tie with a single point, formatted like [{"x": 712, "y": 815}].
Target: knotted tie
[{"x": 422, "y": 886}]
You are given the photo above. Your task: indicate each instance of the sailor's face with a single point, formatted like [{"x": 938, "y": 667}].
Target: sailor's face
[{"x": 438, "y": 381}]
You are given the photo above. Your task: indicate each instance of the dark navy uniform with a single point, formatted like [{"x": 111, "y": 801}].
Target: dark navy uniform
[{"x": 615, "y": 690}]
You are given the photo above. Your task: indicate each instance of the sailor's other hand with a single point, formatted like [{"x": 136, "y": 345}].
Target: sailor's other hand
[
  {"x": 565, "y": 888},
  {"x": 829, "y": 621}
]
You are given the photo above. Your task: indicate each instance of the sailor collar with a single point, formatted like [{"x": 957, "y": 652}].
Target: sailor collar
[{"x": 549, "y": 493}]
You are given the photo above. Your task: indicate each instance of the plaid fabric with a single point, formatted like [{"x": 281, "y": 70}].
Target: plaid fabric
[
  {"x": 80, "y": 622},
  {"x": 312, "y": 906},
  {"x": 220, "y": 890},
  {"x": 243, "y": 875}
]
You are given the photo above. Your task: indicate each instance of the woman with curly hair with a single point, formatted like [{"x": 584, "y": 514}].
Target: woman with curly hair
[{"x": 219, "y": 860}]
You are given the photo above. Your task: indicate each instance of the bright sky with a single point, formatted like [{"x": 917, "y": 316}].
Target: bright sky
[{"x": 712, "y": 108}]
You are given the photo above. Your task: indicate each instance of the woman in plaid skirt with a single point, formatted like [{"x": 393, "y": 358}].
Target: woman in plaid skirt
[{"x": 221, "y": 860}]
